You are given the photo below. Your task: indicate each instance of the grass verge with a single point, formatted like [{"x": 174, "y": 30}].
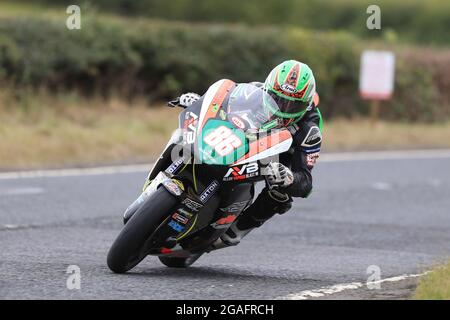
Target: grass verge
[
  {"x": 360, "y": 134},
  {"x": 82, "y": 133},
  {"x": 435, "y": 285},
  {"x": 69, "y": 131}
]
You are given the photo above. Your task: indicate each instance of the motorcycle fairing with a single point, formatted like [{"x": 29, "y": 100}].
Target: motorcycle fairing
[
  {"x": 210, "y": 113},
  {"x": 225, "y": 151},
  {"x": 266, "y": 146},
  {"x": 228, "y": 143},
  {"x": 213, "y": 100}
]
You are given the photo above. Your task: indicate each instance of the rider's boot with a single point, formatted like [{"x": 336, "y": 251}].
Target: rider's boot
[{"x": 268, "y": 203}]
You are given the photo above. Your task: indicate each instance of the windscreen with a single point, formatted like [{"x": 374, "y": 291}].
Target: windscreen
[{"x": 250, "y": 107}]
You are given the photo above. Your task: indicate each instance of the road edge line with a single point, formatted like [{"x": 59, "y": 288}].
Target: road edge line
[{"x": 337, "y": 288}]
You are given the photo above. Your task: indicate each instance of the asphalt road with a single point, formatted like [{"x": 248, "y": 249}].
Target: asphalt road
[{"x": 392, "y": 213}]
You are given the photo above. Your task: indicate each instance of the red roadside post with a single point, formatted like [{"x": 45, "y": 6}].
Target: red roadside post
[{"x": 376, "y": 79}]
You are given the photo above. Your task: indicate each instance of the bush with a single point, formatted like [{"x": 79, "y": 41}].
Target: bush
[
  {"x": 9, "y": 55},
  {"x": 161, "y": 60},
  {"x": 413, "y": 20}
]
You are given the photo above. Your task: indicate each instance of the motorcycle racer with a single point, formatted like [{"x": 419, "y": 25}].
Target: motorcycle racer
[{"x": 292, "y": 86}]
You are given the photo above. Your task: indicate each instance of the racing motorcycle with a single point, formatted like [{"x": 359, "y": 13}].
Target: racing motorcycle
[{"x": 203, "y": 179}]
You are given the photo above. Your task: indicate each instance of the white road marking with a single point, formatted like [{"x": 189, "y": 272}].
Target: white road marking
[
  {"x": 21, "y": 191},
  {"x": 9, "y": 226},
  {"x": 382, "y": 186},
  {"x": 435, "y": 183},
  {"x": 75, "y": 172},
  {"x": 326, "y": 291},
  {"x": 325, "y": 157}
]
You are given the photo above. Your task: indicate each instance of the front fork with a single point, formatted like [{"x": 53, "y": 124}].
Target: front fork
[{"x": 148, "y": 189}]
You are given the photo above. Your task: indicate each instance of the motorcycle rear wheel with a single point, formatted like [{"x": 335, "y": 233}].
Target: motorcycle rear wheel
[{"x": 178, "y": 262}]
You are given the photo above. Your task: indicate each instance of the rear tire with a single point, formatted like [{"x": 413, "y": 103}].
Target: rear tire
[
  {"x": 128, "y": 248},
  {"x": 176, "y": 262}
]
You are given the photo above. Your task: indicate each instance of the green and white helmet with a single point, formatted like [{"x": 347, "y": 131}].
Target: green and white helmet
[{"x": 292, "y": 85}]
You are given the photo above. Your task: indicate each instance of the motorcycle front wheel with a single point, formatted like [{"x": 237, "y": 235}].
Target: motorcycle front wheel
[{"x": 129, "y": 247}]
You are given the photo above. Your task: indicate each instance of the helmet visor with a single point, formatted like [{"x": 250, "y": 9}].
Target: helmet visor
[{"x": 289, "y": 108}]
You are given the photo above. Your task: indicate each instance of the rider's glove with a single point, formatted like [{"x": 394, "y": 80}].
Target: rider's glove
[
  {"x": 279, "y": 175},
  {"x": 187, "y": 99}
]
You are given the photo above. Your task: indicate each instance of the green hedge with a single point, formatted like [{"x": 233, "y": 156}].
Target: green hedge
[
  {"x": 410, "y": 20},
  {"x": 161, "y": 59}
]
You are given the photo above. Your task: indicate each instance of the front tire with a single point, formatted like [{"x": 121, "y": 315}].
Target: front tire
[{"x": 129, "y": 247}]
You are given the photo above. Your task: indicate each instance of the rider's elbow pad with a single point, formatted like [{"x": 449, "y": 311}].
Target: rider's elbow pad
[
  {"x": 300, "y": 189},
  {"x": 306, "y": 192}
]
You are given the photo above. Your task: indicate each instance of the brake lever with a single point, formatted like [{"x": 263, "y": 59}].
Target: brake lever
[
  {"x": 175, "y": 103},
  {"x": 268, "y": 185}
]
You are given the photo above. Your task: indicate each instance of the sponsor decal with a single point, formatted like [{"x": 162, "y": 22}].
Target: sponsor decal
[
  {"x": 290, "y": 89},
  {"x": 222, "y": 114},
  {"x": 190, "y": 127},
  {"x": 190, "y": 115},
  {"x": 242, "y": 172},
  {"x": 209, "y": 191},
  {"x": 166, "y": 250},
  {"x": 314, "y": 137},
  {"x": 185, "y": 213},
  {"x": 286, "y": 87},
  {"x": 179, "y": 184},
  {"x": 178, "y": 217},
  {"x": 173, "y": 168},
  {"x": 176, "y": 226},
  {"x": 223, "y": 140},
  {"x": 172, "y": 187},
  {"x": 238, "y": 122},
  {"x": 224, "y": 222},
  {"x": 191, "y": 204},
  {"x": 235, "y": 207}
]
